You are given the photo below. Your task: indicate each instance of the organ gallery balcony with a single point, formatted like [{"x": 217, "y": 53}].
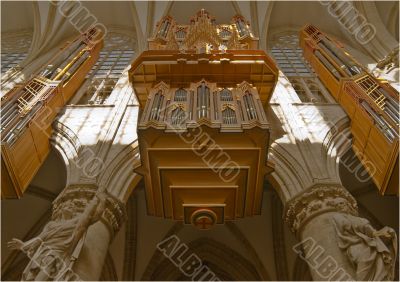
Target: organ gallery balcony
[
  {"x": 28, "y": 110},
  {"x": 203, "y": 133},
  {"x": 371, "y": 104}
]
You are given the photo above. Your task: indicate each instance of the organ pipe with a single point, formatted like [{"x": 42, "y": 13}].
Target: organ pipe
[
  {"x": 381, "y": 122},
  {"x": 328, "y": 65},
  {"x": 21, "y": 105},
  {"x": 347, "y": 60}
]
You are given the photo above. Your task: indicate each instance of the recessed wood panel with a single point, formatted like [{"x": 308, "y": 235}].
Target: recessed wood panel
[
  {"x": 26, "y": 139},
  {"x": 368, "y": 101}
]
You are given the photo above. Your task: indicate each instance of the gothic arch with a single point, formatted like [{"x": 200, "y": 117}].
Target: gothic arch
[
  {"x": 262, "y": 272},
  {"x": 118, "y": 172},
  {"x": 67, "y": 144},
  {"x": 291, "y": 177},
  {"x": 221, "y": 259},
  {"x": 264, "y": 26}
]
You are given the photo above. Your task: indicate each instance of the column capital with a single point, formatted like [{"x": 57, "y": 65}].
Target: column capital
[
  {"x": 79, "y": 195},
  {"x": 318, "y": 199}
]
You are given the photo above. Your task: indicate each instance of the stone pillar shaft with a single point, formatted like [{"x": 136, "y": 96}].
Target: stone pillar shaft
[
  {"x": 73, "y": 245},
  {"x": 336, "y": 243}
]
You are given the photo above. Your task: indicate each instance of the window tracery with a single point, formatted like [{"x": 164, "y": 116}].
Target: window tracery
[
  {"x": 289, "y": 57},
  {"x": 115, "y": 56},
  {"x": 14, "y": 48}
]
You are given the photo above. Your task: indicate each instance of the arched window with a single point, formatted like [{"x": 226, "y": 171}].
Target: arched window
[
  {"x": 226, "y": 95},
  {"x": 180, "y": 95},
  {"x": 14, "y": 48},
  {"x": 289, "y": 57},
  {"x": 178, "y": 116},
  {"x": 229, "y": 116},
  {"x": 249, "y": 105},
  {"x": 115, "y": 56},
  {"x": 156, "y": 106},
  {"x": 203, "y": 100}
]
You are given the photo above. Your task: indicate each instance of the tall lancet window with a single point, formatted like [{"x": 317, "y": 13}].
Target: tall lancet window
[
  {"x": 203, "y": 100},
  {"x": 250, "y": 105},
  {"x": 14, "y": 48},
  {"x": 115, "y": 57},
  {"x": 289, "y": 56},
  {"x": 156, "y": 107},
  {"x": 229, "y": 116}
]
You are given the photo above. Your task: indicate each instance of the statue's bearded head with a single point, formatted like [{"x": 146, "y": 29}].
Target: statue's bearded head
[{"x": 67, "y": 210}]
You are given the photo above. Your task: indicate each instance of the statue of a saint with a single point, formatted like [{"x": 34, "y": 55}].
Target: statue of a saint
[
  {"x": 54, "y": 250},
  {"x": 372, "y": 253}
]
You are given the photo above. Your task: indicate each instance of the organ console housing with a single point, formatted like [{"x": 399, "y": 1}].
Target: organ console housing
[
  {"x": 28, "y": 110},
  {"x": 371, "y": 104},
  {"x": 203, "y": 133}
]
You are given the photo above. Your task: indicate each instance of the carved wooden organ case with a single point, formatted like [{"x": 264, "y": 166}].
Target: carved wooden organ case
[
  {"x": 372, "y": 105},
  {"x": 28, "y": 110},
  {"x": 203, "y": 133}
]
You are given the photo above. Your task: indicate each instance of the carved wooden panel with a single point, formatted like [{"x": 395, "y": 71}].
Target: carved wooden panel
[
  {"x": 29, "y": 110},
  {"x": 371, "y": 104}
]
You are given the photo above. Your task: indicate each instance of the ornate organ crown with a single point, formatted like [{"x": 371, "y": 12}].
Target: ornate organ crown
[{"x": 203, "y": 34}]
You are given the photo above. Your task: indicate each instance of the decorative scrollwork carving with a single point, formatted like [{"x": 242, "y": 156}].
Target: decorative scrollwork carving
[{"x": 317, "y": 200}]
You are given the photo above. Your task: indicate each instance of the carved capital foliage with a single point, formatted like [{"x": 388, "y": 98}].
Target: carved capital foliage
[
  {"x": 77, "y": 197},
  {"x": 317, "y": 200}
]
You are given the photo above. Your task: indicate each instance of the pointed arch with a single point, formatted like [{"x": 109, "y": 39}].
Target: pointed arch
[{"x": 220, "y": 258}]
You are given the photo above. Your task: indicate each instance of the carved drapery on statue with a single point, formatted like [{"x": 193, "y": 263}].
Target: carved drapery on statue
[
  {"x": 372, "y": 254},
  {"x": 53, "y": 252}
]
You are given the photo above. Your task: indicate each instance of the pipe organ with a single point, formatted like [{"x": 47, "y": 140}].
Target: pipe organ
[
  {"x": 203, "y": 133},
  {"x": 371, "y": 104},
  {"x": 28, "y": 110}
]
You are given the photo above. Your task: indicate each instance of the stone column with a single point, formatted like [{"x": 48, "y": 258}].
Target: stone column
[
  {"x": 73, "y": 244},
  {"x": 90, "y": 260},
  {"x": 334, "y": 241}
]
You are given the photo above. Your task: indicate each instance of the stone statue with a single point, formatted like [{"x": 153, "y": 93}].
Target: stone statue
[
  {"x": 391, "y": 61},
  {"x": 372, "y": 253},
  {"x": 54, "y": 250}
]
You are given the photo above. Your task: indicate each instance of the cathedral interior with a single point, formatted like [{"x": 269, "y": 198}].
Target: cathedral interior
[{"x": 199, "y": 140}]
